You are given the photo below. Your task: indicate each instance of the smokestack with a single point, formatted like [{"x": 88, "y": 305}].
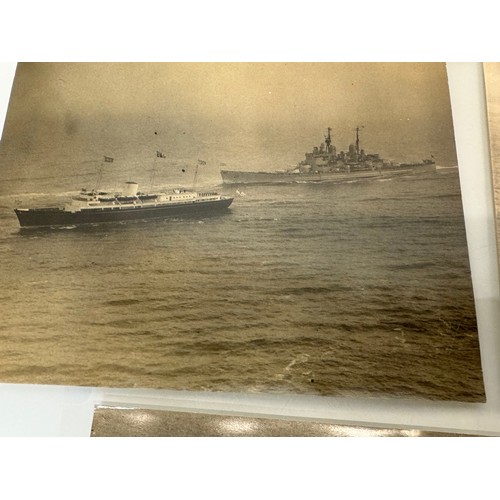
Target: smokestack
[{"x": 131, "y": 189}]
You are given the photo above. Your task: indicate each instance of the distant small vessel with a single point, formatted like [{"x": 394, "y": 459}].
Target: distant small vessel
[
  {"x": 324, "y": 164},
  {"x": 93, "y": 206}
]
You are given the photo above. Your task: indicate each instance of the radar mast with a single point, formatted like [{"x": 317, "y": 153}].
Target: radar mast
[{"x": 328, "y": 140}]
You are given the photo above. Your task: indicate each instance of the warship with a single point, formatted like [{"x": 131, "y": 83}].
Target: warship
[
  {"x": 94, "y": 206},
  {"x": 324, "y": 164}
]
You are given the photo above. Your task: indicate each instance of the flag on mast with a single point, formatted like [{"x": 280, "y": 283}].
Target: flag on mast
[
  {"x": 201, "y": 162},
  {"x": 159, "y": 154},
  {"x": 108, "y": 159}
]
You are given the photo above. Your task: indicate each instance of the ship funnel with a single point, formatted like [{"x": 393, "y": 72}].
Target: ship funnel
[{"x": 131, "y": 189}]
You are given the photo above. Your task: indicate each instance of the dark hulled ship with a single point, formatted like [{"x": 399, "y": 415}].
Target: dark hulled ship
[
  {"x": 93, "y": 207},
  {"x": 324, "y": 163}
]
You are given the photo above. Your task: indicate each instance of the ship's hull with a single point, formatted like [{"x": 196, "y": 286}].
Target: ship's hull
[
  {"x": 236, "y": 177},
  {"x": 38, "y": 217}
]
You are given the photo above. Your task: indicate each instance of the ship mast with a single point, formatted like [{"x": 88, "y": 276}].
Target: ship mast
[
  {"x": 328, "y": 139},
  {"x": 357, "y": 140},
  {"x": 99, "y": 178},
  {"x": 153, "y": 171},
  {"x": 195, "y": 176}
]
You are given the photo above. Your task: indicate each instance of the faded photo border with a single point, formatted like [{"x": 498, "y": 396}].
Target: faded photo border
[{"x": 75, "y": 406}]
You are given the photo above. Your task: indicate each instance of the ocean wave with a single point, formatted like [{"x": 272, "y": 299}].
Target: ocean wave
[
  {"x": 315, "y": 290},
  {"x": 122, "y": 302},
  {"x": 300, "y": 289},
  {"x": 413, "y": 265}
]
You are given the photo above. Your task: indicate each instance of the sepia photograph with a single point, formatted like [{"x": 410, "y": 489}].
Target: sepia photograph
[
  {"x": 282, "y": 228},
  {"x": 492, "y": 81},
  {"x": 146, "y": 422}
]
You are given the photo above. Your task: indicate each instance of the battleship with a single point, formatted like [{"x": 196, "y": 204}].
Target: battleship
[
  {"x": 324, "y": 164},
  {"x": 94, "y": 207}
]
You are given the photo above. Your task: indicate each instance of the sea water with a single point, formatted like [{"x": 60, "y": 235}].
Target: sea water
[{"x": 359, "y": 288}]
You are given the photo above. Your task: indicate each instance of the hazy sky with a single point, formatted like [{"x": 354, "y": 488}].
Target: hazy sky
[{"x": 262, "y": 105}]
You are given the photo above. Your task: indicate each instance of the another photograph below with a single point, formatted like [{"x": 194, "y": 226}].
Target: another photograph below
[
  {"x": 492, "y": 82},
  {"x": 278, "y": 228},
  {"x": 137, "y": 422}
]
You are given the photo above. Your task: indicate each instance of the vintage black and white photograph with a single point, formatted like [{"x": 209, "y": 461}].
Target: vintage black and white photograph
[{"x": 283, "y": 228}]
